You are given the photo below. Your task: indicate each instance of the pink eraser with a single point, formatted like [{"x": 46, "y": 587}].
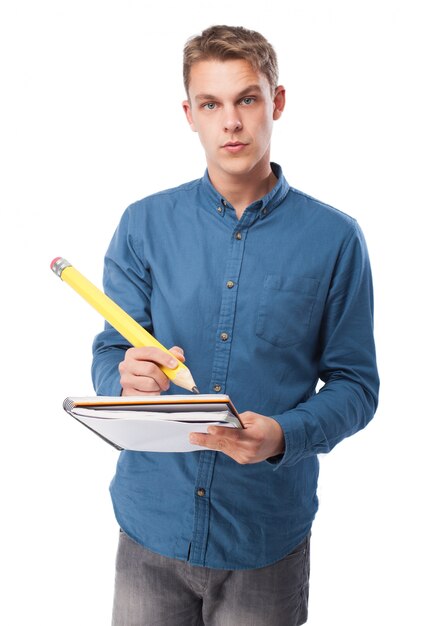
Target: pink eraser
[{"x": 57, "y": 258}]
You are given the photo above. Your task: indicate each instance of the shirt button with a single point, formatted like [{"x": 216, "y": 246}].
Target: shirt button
[
  {"x": 219, "y": 209},
  {"x": 201, "y": 492},
  {"x": 230, "y": 284},
  {"x": 224, "y": 336},
  {"x": 217, "y": 387},
  {"x": 238, "y": 236},
  {"x": 264, "y": 211}
]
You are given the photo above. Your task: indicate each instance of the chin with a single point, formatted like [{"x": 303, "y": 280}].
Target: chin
[{"x": 238, "y": 165}]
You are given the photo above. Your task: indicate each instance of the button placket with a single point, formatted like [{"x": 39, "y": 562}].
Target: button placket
[
  {"x": 226, "y": 320},
  {"x": 199, "y": 539}
]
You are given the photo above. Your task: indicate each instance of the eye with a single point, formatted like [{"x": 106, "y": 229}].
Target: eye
[
  {"x": 210, "y": 106},
  {"x": 248, "y": 100}
]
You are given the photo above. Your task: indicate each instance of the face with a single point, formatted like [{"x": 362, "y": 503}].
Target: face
[{"x": 232, "y": 109}]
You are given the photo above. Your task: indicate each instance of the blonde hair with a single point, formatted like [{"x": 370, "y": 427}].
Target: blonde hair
[{"x": 231, "y": 42}]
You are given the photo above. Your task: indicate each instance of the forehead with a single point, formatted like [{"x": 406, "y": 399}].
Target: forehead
[{"x": 224, "y": 77}]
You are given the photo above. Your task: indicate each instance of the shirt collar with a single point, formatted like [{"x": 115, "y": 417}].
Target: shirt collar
[{"x": 265, "y": 205}]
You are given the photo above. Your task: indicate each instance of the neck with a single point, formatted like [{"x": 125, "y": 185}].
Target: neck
[{"x": 241, "y": 191}]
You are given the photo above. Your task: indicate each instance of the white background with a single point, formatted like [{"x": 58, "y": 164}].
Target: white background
[{"x": 91, "y": 121}]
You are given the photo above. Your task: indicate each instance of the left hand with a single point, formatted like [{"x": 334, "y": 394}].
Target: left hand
[{"x": 261, "y": 438}]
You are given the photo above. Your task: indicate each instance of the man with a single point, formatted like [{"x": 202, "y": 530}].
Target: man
[{"x": 265, "y": 291}]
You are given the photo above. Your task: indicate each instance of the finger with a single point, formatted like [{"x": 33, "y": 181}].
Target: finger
[
  {"x": 140, "y": 368},
  {"x": 178, "y": 353},
  {"x": 154, "y": 355},
  {"x": 145, "y": 378},
  {"x": 224, "y": 439},
  {"x": 136, "y": 374},
  {"x": 248, "y": 418},
  {"x": 131, "y": 391},
  {"x": 201, "y": 439},
  {"x": 142, "y": 384},
  {"x": 219, "y": 444}
]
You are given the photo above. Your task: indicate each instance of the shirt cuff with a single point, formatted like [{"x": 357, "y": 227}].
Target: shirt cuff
[
  {"x": 108, "y": 382},
  {"x": 294, "y": 440}
]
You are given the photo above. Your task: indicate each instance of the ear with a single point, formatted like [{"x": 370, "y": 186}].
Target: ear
[
  {"x": 279, "y": 102},
  {"x": 187, "y": 110}
]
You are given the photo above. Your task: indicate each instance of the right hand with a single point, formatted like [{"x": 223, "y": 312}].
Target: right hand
[{"x": 140, "y": 372}]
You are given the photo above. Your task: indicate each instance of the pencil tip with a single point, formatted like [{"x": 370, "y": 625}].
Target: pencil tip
[{"x": 195, "y": 390}]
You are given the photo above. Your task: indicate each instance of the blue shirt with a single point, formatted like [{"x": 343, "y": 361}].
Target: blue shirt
[{"x": 263, "y": 307}]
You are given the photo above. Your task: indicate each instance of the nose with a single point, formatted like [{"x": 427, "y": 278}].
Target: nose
[{"x": 232, "y": 121}]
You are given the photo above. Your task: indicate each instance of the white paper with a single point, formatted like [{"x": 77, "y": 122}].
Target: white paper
[{"x": 147, "y": 435}]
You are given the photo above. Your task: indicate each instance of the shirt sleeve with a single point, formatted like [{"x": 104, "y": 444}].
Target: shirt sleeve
[
  {"x": 127, "y": 281},
  {"x": 347, "y": 364}
]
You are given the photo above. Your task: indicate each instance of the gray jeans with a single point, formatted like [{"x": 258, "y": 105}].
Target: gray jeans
[{"x": 153, "y": 590}]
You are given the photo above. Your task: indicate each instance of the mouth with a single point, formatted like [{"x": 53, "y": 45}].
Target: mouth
[{"x": 234, "y": 146}]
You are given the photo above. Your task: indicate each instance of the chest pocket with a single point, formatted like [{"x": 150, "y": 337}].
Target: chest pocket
[{"x": 285, "y": 309}]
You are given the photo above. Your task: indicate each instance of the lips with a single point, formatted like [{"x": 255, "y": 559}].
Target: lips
[{"x": 234, "y": 146}]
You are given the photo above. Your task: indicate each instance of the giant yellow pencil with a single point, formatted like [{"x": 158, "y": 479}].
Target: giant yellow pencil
[{"x": 120, "y": 320}]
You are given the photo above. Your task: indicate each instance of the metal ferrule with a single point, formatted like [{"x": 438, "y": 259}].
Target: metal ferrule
[{"x": 60, "y": 265}]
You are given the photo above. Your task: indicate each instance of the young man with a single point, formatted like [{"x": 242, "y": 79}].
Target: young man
[{"x": 265, "y": 291}]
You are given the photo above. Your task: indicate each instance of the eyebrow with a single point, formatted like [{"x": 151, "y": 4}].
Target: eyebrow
[{"x": 247, "y": 90}]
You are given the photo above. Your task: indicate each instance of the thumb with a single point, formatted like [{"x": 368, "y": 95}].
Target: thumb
[{"x": 178, "y": 353}]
